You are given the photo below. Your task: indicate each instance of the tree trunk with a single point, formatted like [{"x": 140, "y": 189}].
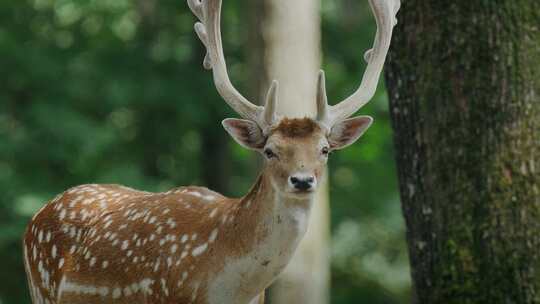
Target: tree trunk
[
  {"x": 286, "y": 36},
  {"x": 216, "y": 166},
  {"x": 464, "y": 80}
]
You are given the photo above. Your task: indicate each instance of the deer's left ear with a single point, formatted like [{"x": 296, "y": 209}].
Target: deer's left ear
[{"x": 345, "y": 133}]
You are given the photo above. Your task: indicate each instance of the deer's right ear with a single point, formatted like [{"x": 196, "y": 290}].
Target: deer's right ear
[{"x": 245, "y": 132}]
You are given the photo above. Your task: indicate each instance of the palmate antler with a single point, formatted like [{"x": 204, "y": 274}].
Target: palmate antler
[
  {"x": 209, "y": 32},
  {"x": 385, "y": 15}
]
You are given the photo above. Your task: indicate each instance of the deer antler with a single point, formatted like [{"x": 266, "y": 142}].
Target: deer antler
[
  {"x": 385, "y": 14},
  {"x": 209, "y": 32}
]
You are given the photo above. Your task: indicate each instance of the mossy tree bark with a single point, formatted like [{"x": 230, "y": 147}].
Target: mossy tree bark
[{"x": 464, "y": 83}]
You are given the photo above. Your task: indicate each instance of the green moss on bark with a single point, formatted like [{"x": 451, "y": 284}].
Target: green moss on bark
[{"x": 464, "y": 85}]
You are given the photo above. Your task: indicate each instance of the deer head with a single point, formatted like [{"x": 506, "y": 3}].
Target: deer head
[{"x": 295, "y": 150}]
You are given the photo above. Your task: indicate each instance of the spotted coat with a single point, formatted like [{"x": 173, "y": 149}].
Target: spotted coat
[{"x": 190, "y": 245}]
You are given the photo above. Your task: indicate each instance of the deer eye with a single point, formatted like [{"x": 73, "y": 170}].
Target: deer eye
[
  {"x": 325, "y": 151},
  {"x": 269, "y": 153}
]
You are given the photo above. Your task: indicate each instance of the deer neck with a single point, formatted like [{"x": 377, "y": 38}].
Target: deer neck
[
  {"x": 280, "y": 219},
  {"x": 268, "y": 228}
]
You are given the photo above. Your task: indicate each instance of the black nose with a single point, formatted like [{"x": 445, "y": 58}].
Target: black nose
[{"x": 304, "y": 183}]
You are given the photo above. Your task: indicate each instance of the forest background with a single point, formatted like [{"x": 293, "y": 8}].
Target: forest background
[{"x": 98, "y": 91}]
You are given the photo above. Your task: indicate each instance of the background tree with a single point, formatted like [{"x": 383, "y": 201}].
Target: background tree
[
  {"x": 286, "y": 39},
  {"x": 464, "y": 83}
]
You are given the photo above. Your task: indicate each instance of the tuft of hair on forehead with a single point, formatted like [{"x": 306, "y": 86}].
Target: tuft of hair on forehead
[{"x": 297, "y": 127}]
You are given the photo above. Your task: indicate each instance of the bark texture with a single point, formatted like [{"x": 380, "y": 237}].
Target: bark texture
[
  {"x": 464, "y": 82},
  {"x": 286, "y": 39}
]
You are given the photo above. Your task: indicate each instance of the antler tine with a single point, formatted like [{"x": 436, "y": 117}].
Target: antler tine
[
  {"x": 385, "y": 14},
  {"x": 209, "y": 32},
  {"x": 322, "y": 98},
  {"x": 271, "y": 104},
  {"x": 195, "y": 7}
]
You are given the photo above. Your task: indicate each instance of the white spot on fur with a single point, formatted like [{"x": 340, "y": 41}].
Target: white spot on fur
[
  {"x": 199, "y": 250},
  {"x": 127, "y": 291},
  {"x": 117, "y": 292},
  {"x": 196, "y": 194},
  {"x": 213, "y": 235},
  {"x": 164, "y": 287},
  {"x": 62, "y": 214}
]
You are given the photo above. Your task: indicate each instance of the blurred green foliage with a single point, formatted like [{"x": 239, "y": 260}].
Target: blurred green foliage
[{"x": 113, "y": 92}]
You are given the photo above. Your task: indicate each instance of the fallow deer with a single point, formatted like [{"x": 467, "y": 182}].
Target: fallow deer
[{"x": 190, "y": 245}]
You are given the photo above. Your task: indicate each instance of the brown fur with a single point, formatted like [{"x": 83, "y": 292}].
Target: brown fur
[
  {"x": 297, "y": 127},
  {"x": 184, "y": 210}
]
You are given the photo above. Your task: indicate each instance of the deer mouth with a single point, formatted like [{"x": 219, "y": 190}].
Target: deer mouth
[{"x": 302, "y": 193}]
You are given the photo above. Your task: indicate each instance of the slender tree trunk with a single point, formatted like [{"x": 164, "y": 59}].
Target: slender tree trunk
[
  {"x": 216, "y": 166},
  {"x": 287, "y": 44},
  {"x": 464, "y": 80}
]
